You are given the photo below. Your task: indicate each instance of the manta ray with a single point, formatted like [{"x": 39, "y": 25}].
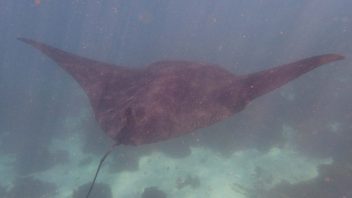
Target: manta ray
[{"x": 167, "y": 99}]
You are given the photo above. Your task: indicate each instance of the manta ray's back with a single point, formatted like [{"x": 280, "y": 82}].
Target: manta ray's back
[{"x": 169, "y": 98}]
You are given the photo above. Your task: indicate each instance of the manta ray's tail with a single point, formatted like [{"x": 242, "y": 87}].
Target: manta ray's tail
[{"x": 262, "y": 82}]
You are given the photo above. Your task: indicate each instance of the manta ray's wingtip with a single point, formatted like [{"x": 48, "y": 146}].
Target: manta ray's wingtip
[
  {"x": 333, "y": 57},
  {"x": 29, "y": 41},
  {"x": 23, "y": 39}
]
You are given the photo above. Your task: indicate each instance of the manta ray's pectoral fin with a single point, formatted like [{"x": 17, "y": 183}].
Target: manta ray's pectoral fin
[
  {"x": 91, "y": 75},
  {"x": 262, "y": 82}
]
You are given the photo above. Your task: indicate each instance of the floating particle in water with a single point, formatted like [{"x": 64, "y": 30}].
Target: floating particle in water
[{"x": 37, "y": 2}]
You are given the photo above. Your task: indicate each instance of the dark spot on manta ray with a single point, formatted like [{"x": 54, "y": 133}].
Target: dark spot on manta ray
[{"x": 168, "y": 99}]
